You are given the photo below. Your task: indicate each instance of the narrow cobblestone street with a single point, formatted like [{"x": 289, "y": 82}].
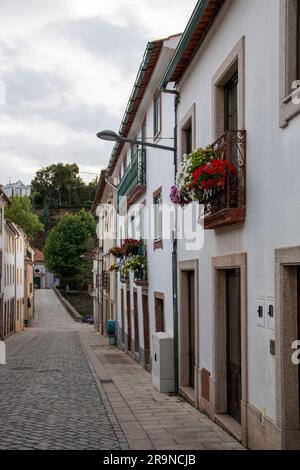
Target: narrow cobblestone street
[{"x": 64, "y": 388}]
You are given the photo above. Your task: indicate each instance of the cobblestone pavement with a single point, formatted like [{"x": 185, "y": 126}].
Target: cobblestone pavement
[
  {"x": 49, "y": 396},
  {"x": 150, "y": 420},
  {"x": 64, "y": 387}
]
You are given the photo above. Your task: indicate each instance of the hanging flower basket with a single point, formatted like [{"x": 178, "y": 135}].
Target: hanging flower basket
[
  {"x": 199, "y": 173},
  {"x": 117, "y": 251},
  {"x": 131, "y": 246}
]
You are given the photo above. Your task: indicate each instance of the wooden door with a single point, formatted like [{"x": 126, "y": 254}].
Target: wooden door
[
  {"x": 128, "y": 322},
  {"x": 234, "y": 368},
  {"x": 298, "y": 331},
  {"x": 191, "y": 326},
  {"x": 136, "y": 323},
  {"x": 146, "y": 328},
  {"x": 122, "y": 317}
]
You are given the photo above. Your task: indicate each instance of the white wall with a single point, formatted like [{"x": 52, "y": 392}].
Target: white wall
[{"x": 159, "y": 173}]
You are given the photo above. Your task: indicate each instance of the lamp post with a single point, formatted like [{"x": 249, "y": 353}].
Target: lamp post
[{"x": 111, "y": 136}]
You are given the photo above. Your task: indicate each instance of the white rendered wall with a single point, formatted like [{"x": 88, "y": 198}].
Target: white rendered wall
[{"x": 273, "y": 166}]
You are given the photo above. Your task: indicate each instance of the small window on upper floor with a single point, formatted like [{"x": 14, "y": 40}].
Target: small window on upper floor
[
  {"x": 157, "y": 202},
  {"x": 157, "y": 115},
  {"x": 187, "y": 136}
]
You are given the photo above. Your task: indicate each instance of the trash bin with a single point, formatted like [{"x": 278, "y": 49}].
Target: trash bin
[{"x": 111, "y": 329}]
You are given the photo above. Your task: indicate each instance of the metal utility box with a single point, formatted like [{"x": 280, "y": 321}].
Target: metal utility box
[{"x": 163, "y": 362}]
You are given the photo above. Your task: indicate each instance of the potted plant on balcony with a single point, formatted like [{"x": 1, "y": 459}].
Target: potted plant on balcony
[
  {"x": 131, "y": 246},
  {"x": 136, "y": 263},
  {"x": 210, "y": 177},
  {"x": 199, "y": 176},
  {"x": 182, "y": 194},
  {"x": 117, "y": 251},
  {"x": 114, "y": 268}
]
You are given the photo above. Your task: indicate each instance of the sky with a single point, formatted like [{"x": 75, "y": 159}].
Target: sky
[{"x": 68, "y": 67}]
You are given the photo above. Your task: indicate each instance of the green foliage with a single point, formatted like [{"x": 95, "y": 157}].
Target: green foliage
[
  {"x": 20, "y": 212},
  {"x": 60, "y": 185},
  {"x": 66, "y": 243}
]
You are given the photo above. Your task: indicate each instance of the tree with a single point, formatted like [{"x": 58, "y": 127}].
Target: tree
[
  {"x": 66, "y": 243},
  {"x": 60, "y": 185},
  {"x": 20, "y": 212}
]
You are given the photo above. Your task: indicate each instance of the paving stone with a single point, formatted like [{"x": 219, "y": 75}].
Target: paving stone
[{"x": 49, "y": 397}]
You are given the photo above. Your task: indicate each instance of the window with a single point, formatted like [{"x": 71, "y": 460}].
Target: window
[
  {"x": 229, "y": 92},
  {"x": 231, "y": 104},
  {"x": 159, "y": 312},
  {"x": 1, "y": 219},
  {"x": 157, "y": 202},
  {"x": 143, "y": 133},
  {"x": 289, "y": 60},
  {"x": 157, "y": 115}
]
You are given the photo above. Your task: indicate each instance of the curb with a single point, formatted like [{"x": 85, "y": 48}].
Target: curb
[{"x": 72, "y": 310}]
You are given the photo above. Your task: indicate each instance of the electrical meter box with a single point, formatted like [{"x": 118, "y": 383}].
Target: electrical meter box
[{"x": 163, "y": 362}]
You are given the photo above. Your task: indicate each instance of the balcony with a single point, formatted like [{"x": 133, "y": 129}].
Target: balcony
[
  {"x": 133, "y": 183},
  {"x": 141, "y": 275},
  {"x": 227, "y": 206}
]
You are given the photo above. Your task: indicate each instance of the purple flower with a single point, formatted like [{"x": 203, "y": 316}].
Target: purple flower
[{"x": 176, "y": 197}]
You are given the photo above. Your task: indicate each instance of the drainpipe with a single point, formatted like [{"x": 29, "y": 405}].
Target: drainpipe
[{"x": 174, "y": 254}]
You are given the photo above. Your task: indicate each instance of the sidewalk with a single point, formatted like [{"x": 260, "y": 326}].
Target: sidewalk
[{"x": 148, "y": 419}]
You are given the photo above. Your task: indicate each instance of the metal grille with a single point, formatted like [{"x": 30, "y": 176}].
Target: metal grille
[{"x": 231, "y": 147}]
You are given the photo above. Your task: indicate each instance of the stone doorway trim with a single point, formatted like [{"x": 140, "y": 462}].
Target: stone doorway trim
[
  {"x": 219, "y": 378},
  {"x": 287, "y": 397}
]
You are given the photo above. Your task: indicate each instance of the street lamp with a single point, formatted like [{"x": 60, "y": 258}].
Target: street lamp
[{"x": 112, "y": 136}]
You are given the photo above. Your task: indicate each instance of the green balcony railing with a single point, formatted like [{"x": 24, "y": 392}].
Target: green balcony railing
[{"x": 135, "y": 174}]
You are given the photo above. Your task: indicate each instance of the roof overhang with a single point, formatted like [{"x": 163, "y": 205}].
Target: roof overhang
[
  {"x": 4, "y": 196},
  {"x": 144, "y": 75},
  {"x": 199, "y": 24},
  {"x": 99, "y": 191}
]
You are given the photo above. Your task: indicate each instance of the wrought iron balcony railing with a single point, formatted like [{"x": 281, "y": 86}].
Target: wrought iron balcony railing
[
  {"x": 227, "y": 205},
  {"x": 141, "y": 275},
  {"x": 135, "y": 174}
]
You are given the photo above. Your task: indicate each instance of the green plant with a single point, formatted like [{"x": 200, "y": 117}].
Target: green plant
[{"x": 135, "y": 263}]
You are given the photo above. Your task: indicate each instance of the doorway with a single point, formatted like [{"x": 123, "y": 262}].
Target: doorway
[
  {"x": 128, "y": 322},
  {"x": 189, "y": 336},
  {"x": 287, "y": 332},
  {"x": 191, "y": 347},
  {"x": 233, "y": 343},
  {"x": 230, "y": 348},
  {"x": 136, "y": 322},
  {"x": 146, "y": 329},
  {"x": 298, "y": 333}
]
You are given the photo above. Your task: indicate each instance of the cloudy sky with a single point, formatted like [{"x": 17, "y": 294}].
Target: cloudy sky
[{"x": 68, "y": 67}]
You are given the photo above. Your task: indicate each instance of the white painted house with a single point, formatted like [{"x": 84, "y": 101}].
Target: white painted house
[
  {"x": 143, "y": 177},
  {"x": 239, "y": 295},
  {"x": 3, "y": 201},
  {"x": 17, "y": 189}
]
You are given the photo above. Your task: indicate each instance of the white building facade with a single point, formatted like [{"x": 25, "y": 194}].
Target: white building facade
[
  {"x": 143, "y": 177},
  {"x": 17, "y": 189},
  {"x": 235, "y": 70}
]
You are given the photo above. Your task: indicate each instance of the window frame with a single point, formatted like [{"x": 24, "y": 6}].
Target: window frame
[
  {"x": 157, "y": 115},
  {"x": 158, "y": 234},
  {"x": 289, "y": 65}
]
